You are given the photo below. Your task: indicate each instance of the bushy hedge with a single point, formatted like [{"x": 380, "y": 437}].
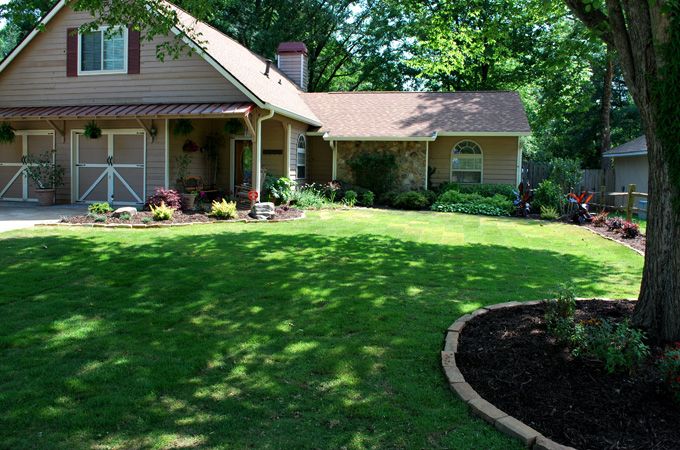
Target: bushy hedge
[
  {"x": 411, "y": 200},
  {"x": 376, "y": 171},
  {"x": 485, "y": 190},
  {"x": 548, "y": 194},
  {"x": 475, "y": 203}
]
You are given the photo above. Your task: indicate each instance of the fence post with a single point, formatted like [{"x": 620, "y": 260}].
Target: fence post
[
  {"x": 631, "y": 201},
  {"x": 603, "y": 197}
]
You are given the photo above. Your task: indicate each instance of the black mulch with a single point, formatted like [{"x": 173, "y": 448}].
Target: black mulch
[{"x": 510, "y": 361}]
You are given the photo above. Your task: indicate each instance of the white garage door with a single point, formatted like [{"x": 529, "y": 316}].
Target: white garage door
[
  {"x": 14, "y": 184},
  {"x": 112, "y": 167}
]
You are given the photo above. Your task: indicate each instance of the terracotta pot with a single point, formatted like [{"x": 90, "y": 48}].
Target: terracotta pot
[
  {"x": 45, "y": 197},
  {"x": 188, "y": 201}
]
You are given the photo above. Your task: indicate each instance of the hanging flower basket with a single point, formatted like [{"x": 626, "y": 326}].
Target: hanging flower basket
[
  {"x": 233, "y": 126},
  {"x": 183, "y": 127},
  {"x": 190, "y": 146},
  {"x": 92, "y": 130},
  {"x": 6, "y": 133}
]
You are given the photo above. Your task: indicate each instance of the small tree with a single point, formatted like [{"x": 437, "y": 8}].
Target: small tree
[{"x": 43, "y": 171}]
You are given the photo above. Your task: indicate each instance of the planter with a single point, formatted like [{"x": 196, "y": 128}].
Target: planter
[
  {"x": 188, "y": 201},
  {"x": 45, "y": 197}
]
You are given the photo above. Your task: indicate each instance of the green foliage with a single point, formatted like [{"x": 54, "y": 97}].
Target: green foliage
[
  {"x": 559, "y": 316},
  {"x": 161, "y": 212},
  {"x": 182, "y": 127},
  {"x": 485, "y": 189},
  {"x": 99, "y": 208},
  {"x": 669, "y": 365},
  {"x": 630, "y": 230},
  {"x": 549, "y": 213},
  {"x": 223, "y": 209},
  {"x": 350, "y": 198},
  {"x": 43, "y": 171},
  {"x": 411, "y": 200},
  {"x": 312, "y": 196},
  {"x": 233, "y": 126},
  {"x": 619, "y": 346},
  {"x": 99, "y": 218},
  {"x": 565, "y": 173},
  {"x": 92, "y": 130},
  {"x": 6, "y": 133},
  {"x": 454, "y": 201},
  {"x": 376, "y": 171},
  {"x": 146, "y": 220},
  {"x": 124, "y": 216},
  {"x": 280, "y": 189},
  {"x": 549, "y": 194},
  {"x": 367, "y": 198}
]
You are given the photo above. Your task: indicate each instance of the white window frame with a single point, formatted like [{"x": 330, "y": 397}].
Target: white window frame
[
  {"x": 103, "y": 30},
  {"x": 480, "y": 155},
  {"x": 297, "y": 157}
]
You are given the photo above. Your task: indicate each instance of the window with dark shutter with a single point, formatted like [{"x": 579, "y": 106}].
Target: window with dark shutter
[
  {"x": 134, "y": 48},
  {"x": 71, "y": 52}
]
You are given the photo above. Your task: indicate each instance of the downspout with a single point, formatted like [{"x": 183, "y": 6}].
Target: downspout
[
  {"x": 334, "y": 167},
  {"x": 257, "y": 154},
  {"x": 519, "y": 163}
]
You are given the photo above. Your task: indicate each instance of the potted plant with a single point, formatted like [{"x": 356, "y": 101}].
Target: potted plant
[
  {"x": 92, "y": 130},
  {"x": 46, "y": 175},
  {"x": 233, "y": 126},
  {"x": 6, "y": 133},
  {"x": 183, "y": 127},
  {"x": 188, "y": 198}
]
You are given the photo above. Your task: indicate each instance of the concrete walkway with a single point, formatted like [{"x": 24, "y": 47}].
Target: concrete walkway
[{"x": 15, "y": 215}]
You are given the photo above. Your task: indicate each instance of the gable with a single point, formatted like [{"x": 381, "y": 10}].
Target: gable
[{"x": 38, "y": 75}]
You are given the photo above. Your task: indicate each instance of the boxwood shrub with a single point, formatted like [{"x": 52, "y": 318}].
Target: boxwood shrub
[
  {"x": 475, "y": 203},
  {"x": 411, "y": 200},
  {"x": 485, "y": 190}
]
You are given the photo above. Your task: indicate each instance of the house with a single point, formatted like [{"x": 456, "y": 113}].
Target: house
[
  {"x": 247, "y": 117},
  {"x": 630, "y": 164}
]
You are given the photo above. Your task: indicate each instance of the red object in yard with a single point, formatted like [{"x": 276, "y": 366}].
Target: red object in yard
[{"x": 252, "y": 196}]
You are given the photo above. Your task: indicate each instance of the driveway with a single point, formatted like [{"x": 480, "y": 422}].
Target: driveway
[{"x": 24, "y": 215}]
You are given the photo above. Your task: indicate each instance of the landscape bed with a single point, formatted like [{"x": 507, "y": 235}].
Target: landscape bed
[{"x": 507, "y": 356}]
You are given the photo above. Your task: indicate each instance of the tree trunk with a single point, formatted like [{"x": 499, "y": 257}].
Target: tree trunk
[{"x": 607, "y": 101}]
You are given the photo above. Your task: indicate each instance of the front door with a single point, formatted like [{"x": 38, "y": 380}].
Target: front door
[
  {"x": 14, "y": 183},
  {"x": 243, "y": 162},
  {"x": 112, "y": 167}
]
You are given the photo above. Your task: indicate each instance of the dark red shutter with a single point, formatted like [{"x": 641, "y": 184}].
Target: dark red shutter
[
  {"x": 72, "y": 52},
  {"x": 133, "y": 51}
]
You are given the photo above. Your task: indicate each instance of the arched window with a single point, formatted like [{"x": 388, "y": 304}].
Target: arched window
[
  {"x": 466, "y": 163},
  {"x": 302, "y": 157}
]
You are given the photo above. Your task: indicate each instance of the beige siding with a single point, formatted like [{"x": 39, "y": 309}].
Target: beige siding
[
  {"x": 37, "y": 76},
  {"x": 273, "y": 139},
  {"x": 500, "y": 158},
  {"x": 297, "y": 129},
  {"x": 631, "y": 170},
  {"x": 319, "y": 160}
]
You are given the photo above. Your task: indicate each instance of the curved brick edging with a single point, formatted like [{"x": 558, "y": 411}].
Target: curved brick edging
[
  {"x": 480, "y": 407},
  {"x": 161, "y": 225}
]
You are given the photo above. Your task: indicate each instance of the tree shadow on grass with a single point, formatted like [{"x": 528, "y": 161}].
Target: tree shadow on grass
[{"x": 247, "y": 339}]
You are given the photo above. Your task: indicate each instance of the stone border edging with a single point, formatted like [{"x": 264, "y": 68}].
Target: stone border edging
[
  {"x": 161, "y": 225},
  {"x": 639, "y": 252},
  {"x": 503, "y": 422}
]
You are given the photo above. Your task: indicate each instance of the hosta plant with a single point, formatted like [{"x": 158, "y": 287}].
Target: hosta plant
[
  {"x": 162, "y": 212},
  {"x": 99, "y": 208},
  {"x": 223, "y": 210}
]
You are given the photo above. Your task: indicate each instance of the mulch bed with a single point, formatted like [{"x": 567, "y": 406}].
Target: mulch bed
[
  {"x": 145, "y": 217},
  {"x": 507, "y": 357},
  {"x": 638, "y": 243}
]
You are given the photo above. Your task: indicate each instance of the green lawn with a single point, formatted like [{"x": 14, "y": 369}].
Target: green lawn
[{"x": 321, "y": 333}]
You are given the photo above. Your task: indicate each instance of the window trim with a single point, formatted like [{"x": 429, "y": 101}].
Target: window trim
[
  {"x": 103, "y": 29},
  {"x": 481, "y": 155},
  {"x": 300, "y": 138}
]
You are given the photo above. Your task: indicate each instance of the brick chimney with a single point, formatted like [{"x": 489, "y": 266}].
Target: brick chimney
[{"x": 292, "y": 60}]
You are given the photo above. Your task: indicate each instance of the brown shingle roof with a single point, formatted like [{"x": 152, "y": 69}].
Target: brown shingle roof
[
  {"x": 636, "y": 147},
  {"x": 417, "y": 114}
]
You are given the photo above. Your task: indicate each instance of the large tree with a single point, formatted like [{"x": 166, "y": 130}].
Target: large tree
[{"x": 646, "y": 35}]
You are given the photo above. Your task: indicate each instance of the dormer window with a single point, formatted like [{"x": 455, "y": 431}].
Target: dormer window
[{"x": 102, "y": 51}]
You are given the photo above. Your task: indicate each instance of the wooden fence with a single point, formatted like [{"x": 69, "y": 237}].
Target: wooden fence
[{"x": 592, "y": 179}]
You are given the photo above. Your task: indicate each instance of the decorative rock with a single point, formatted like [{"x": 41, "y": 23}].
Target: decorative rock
[
  {"x": 465, "y": 391},
  {"x": 513, "y": 427},
  {"x": 262, "y": 211},
  {"x": 486, "y": 410},
  {"x": 130, "y": 210},
  {"x": 543, "y": 443}
]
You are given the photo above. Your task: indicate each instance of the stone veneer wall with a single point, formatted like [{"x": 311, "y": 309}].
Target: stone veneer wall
[{"x": 411, "y": 160}]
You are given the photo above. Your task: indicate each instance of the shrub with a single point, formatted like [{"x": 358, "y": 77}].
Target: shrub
[
  {"x": 281, "y": 189},
  {"x": 469, "y": 208},
  {"x": 566, "y": 173},
  {"x": 223, "y": 209},
  {"x": 485, "y": 190},
  {"x": 669, "y": 364},
  {"x": 99, "y": 218},
  {"x": 124, "y": 216},
  {"x": 375, "y": 171},
  {"x": 630, "y": 230},
  {"x": 600, "y": 219},
  {"x": 388, "y": 198},
  {"x": 146, "y": 219},
  {"x": 430, "y": 195},
  {"x": 368, "y": 198},
  {"x": 311, "y": 197},
  {"x": 619, "y": 346},
  {"x": 614, "y": 223},
  {"x": 455, "y": 201},
  {"x": 549, "y": 213},
  {"x": 169, "y": 197},
  {"x": 99, "y": 208},
  {"x": 559, "y": 316},
  {"x": 162, "y": 212},
  {"x": 350, "y": 198},
  {"x": 549, "y": 194},
  {"x": 411, "y": 200}
]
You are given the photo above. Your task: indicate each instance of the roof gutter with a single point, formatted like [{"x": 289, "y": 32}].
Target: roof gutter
[
  {"x": 292, "y": 115},
  {"x": 328, "y": 137},
  {"x": 621, "y": 155}
]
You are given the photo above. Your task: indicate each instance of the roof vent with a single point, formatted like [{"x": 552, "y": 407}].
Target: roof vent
[
  {"x": 266, "y": 69},
  {"x": 292, "y": 60}
]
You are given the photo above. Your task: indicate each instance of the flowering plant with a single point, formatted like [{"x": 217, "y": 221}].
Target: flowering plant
[{"x": 669, "y": 364}]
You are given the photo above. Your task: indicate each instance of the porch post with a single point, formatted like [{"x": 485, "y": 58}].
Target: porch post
[
  {"x": 334, "y": 170},
  {"x": 427, "y": 160},
  {"x": 286, "y": 157}
]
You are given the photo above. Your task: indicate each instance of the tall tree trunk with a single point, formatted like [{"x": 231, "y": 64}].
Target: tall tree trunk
[
  {"x": 607, "y": 101},
  {"x": 639, "y": 30}
]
